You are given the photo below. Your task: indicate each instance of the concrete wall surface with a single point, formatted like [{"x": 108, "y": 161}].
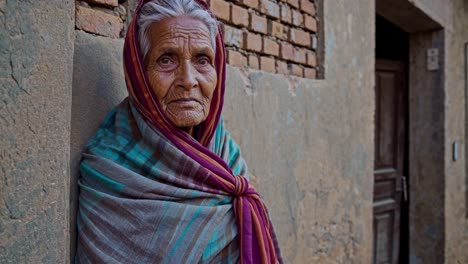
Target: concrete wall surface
[
  {"x": 426, "y": 151},
  {"x": 439, "y": 10},
  {"x": 456, "y": 211},
  {"x": 98, "y": 85},
  {"x": 36, "y": 51},
  {"x": 446, "y": 194},
  {"x": 440, "y": 224}
]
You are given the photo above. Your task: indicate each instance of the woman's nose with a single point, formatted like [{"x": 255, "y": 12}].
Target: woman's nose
[{"x": 187, "y": 76}]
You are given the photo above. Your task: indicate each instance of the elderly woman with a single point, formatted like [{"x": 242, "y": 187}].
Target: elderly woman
[{"x": 161, "y": 180}]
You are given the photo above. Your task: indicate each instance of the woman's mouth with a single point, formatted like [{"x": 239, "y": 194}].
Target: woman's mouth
[{"x": 185, "y": 102}]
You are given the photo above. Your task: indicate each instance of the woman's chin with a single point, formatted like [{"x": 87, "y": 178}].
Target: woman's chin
[{"x": 186, "y": 119}]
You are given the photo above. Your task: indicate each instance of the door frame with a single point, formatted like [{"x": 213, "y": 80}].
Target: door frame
[{"x": 425, "y": 130}]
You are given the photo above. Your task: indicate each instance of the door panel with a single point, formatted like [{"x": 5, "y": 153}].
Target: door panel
[
  {"x": 385, "y": 157},
  {"x": 389, "y": 159},
  {"x": 383, "y": 236}
]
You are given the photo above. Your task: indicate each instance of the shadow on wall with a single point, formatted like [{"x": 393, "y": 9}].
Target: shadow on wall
[{"x": 98, "y": 85}]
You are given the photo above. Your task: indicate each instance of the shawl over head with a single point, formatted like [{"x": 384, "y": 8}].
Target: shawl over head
[{"x": 151, "y": 193}]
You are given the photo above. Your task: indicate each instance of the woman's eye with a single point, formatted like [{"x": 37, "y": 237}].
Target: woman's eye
[
  {"x": 165, "y": 60},
  {"x": 204, "y": 61}
]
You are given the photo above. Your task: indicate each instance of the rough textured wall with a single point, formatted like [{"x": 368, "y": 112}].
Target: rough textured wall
[
  {"x": 36, "y": 44},
  {"x": 426, "y": 140},
  {"x": 98, "y": 85},
  {"x": 309, "y": 143},
  {"x": 456, "y": 211},
  {"x": 407, "y": 15},
  {"x": 439, "y": 10}
]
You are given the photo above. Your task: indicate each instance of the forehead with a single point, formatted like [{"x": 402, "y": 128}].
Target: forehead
[{"x": 176, "y": 29}]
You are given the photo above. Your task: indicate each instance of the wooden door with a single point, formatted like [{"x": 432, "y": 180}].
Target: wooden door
[{"x": 389, "y": 159}]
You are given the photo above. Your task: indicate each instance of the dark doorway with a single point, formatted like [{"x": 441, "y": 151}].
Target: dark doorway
[
  {"x": 392, "y": 43},
  {"x": 391, "y": 229}
]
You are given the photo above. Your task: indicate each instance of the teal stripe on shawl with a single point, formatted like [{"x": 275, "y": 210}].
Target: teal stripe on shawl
[
  {"x": 228, "y": 150},
  {"x": 143, "y": 201}
]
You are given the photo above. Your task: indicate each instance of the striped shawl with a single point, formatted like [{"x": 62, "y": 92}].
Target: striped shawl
[{"x": 138, "y": 205}]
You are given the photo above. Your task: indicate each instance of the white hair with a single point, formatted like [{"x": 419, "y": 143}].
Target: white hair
[{"x": 157, "y": 10}]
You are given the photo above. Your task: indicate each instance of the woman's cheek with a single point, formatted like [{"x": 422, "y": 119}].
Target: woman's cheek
[
  {"x": 152, "y": 78},
  {"x": 211, "y": 81},
  {"x": 158, "y": 84}
]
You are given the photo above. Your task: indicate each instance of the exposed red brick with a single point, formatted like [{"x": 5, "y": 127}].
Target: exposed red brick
[
  {"x": 98, "y": 22},
  {"x": 270, "y": 8},
  {"x": 258, "y": 24},
  {"x": 286, "y": 51},
  {"x": 236, "y": 58},
  {"x": 267, "y": 64},
  {"x": 276, "y": 29},
  {"x": 270, "y": 47},
  {"x": 107, "y": 3},
  {"x": 310, "y": 73},
  {"x": 294, "y": 3},
  {"x": 300, "y": 56},
  {"x": 253, "y": 62},
  {"x": 233, "y": 36},
  {"x": 300, "y": 37},
  {"x": 308, "y": 7},
  {"x": 221, "y": 9},
  {"x": 282, "y": 67},
  {"x": 239, "y": 16},
  {"x": 297, "y": 18},
  {"x": 248, "y": 3},
  {"x": 310, "y": 23},
  {"x": 252, "y": 42},
  {"x": 279, "y": 39},
  {"x": 311, "y": 58},
  {"x": 296, "y": 70},
  {"x": 286, "y": 14}
]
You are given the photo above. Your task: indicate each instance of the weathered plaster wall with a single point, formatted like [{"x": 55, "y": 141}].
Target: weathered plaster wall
[
  {"x": 426, "y": 149},
  {"x": 456, "y": 221},
  {"x": 36, "y": 50},
  {"x": 440, "y": 227},
  {"x": 444, "y": 211},
  {"x": 406, "y": 15},
  {"x": 98, "y": 85},
  {"x": 439, "y": 10},
  {"x": 309, "y": 143}
]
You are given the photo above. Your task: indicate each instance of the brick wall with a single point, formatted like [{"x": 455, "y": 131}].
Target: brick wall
[
  {"x": 101, "y": 17},
  {"x": 272, "y": 36},
  {"x": 278, "y": 36}
]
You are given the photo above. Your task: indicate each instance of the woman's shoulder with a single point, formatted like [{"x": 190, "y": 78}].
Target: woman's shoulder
[{"x": 115, "y": 129}]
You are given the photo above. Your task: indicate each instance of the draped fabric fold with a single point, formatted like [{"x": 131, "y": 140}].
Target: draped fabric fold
[{"x": 151, "y": 193}]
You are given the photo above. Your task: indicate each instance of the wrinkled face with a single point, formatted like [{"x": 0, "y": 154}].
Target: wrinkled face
[{"x": 180, "y": 69}]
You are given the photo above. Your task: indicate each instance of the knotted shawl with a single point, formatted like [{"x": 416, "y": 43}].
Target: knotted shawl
[{"x": 151, "y": 193}]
